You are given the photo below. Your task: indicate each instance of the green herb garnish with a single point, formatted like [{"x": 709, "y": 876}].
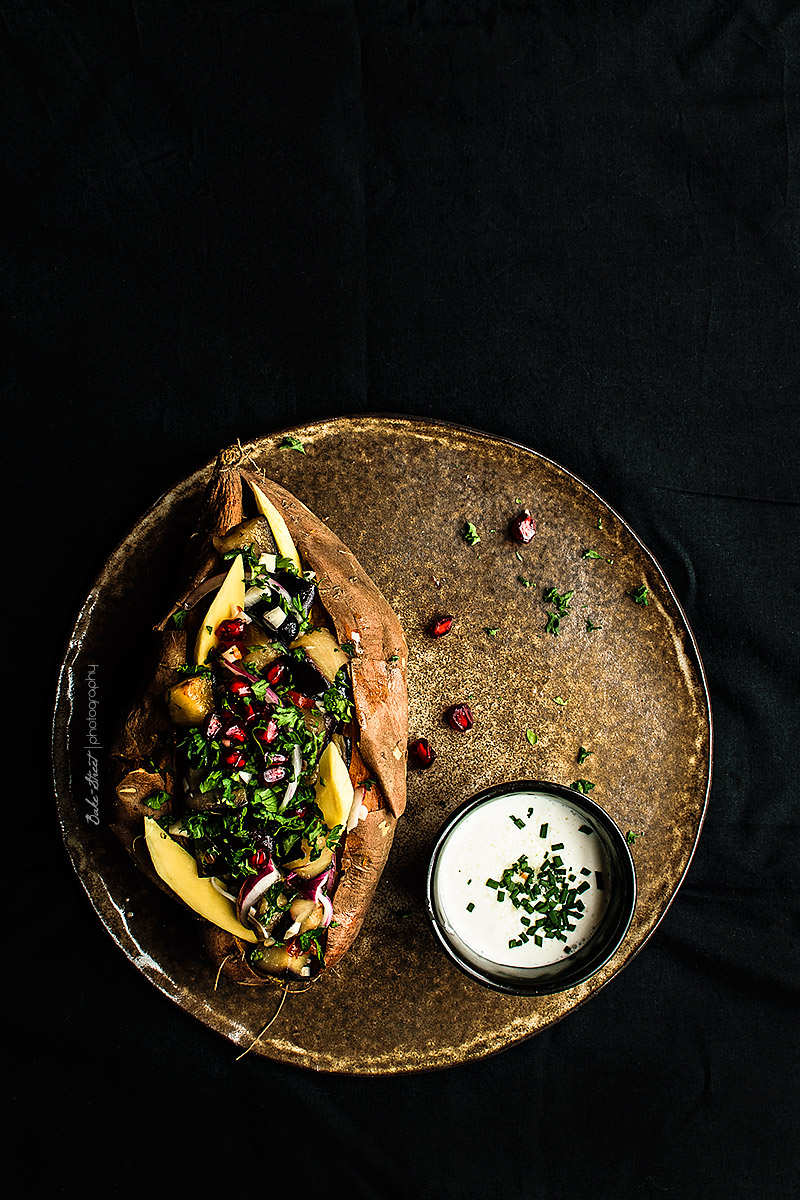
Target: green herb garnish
[
  {"x": 641, "y": 595},
  {"x": 471, "y": 534},
  {"x": 583, "y": 754},
  {"x": 531, "y": 736},
  {"x": 582, "y": 785},
  {"x": 292, "y": 443}
]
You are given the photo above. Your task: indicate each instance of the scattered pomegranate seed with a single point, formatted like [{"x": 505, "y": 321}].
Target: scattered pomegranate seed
[
  {"x": 421, "y": 753},
  {"x": 276, "y": 673},
  {"x": 239, "y": 687},
  {"x": 231, "y": 631},
  {"x": 234, "y": 758},
  {"x": 300, "y": 700},
  {"x": 460, "y": 717},
  {"x": 522, "y": 527},
  {"x": 440, "y": 626}
]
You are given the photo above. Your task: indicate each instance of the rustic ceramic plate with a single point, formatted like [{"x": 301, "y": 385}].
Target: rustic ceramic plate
[{"x": 622, "y": 679}]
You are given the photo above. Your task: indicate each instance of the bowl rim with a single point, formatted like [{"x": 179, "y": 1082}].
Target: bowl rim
[{"x": 544, "y": 986}]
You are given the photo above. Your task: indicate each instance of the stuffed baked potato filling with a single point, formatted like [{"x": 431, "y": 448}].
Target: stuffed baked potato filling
[{"x": 260, "y": 729}]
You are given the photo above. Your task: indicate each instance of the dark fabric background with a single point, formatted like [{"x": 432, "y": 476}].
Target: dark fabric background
[{"x": 571, "y": 224}]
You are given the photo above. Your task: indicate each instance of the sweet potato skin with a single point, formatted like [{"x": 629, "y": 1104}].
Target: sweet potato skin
[{"x": 360, "y": 615}]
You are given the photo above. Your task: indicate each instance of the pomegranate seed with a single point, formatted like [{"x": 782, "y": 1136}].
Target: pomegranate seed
[
  {"x": 259, "y": 858},
  {"x": 300, "y": 700},
  {"x": 276, "y": 673},
  {"x": 268, "y": 734},
  {"x": 231, "y": 631},
  {"x": 273, "y": 774},
  {"x": 440, "y": 626},
  {"x": 460, "y": 718},
  {"x": 212, "y": 726},
  {"x": 523, "y": 527},
  {"x": 293, "y": 948},
  {"x": 234, "y": 733},
  {"x": 234, "y": 758},
  {"x": 421, "y": 753},
  {"x": 239, "y": 687}
]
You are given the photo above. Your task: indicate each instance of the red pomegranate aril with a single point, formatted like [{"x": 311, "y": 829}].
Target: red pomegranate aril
[
  {"x": 440, "y": 625},
  {"x": 234, "y": 733},
  {"x": 460, "y": 718},
  {"x": 421, "y": 753},
  {"x": 234, "y": 758},
  {"x": 239, "y": 687},
  {"x": 212, "y": 726},
  {"x": 276, "y": 673},
  {"x": 268, "y": 734},
  {"x": 522, "y": 527},
  {"x": 273, "y": 774},
  {"x": 300, "y": 700},
  {"x": 232, "y": 630}
]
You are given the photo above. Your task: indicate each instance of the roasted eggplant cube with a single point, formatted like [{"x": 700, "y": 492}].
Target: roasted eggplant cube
[
  {"x": 306, "y": 676},
  {"x": 301, "y": 590}
]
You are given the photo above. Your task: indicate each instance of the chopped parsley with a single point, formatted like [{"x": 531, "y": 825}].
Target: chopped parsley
[
  {"x": 292, "y": 443},
  {"x": 470, "y": 534},
  {"x": 641, "y": 595}
]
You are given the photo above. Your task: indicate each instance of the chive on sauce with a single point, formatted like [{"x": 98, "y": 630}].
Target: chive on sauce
[{"x": 517, "y": 881}]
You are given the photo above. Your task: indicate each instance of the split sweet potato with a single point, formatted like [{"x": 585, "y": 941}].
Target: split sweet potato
[{"x": 350, "y": 623}]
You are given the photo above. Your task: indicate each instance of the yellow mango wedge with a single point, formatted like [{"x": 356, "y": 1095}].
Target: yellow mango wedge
[
  {"x": 334, "y": 788},
  {"x": 228, "y": 601},
  {"x": 283, "y": 539},
  {"x": 179, "y": 871},
  {"x": 324, "y": 651}
]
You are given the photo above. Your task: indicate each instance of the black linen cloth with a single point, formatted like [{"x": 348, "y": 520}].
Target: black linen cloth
[{"x": 575, "y": 226}]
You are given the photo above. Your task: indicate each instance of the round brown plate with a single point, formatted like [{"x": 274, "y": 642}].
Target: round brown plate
[{"x": 622, "y": 679}]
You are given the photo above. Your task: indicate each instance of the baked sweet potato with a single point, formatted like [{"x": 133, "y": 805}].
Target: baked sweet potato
[{"x": 265, "y": 762}]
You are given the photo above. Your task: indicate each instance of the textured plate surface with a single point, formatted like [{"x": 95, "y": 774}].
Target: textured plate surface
[{"x": 399, "y": 492}]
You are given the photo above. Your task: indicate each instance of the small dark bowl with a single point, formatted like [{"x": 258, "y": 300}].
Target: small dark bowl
[{"x": 601, "y": 945}]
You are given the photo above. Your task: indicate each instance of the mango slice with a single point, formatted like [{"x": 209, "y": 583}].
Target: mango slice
[
  {"x": 227, "y": 603},
  {"x": 179, "y": 871},
  {"x": 334, "y": 788},
  {"x": 324, "y": 651},
  {"x": 283, "y": 539}
]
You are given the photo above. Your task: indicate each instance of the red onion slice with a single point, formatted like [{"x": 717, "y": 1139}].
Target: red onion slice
[{"x": 254, "y": 888}]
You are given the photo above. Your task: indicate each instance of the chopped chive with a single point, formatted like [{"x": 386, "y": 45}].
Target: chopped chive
[
  {"x": 584, "y": 887},
  {"x": 519, "y": 824},
  {"x": 543, "y": 831},
  {"x": 557, "y": 846},
  {"x": 599, "y": 880}
]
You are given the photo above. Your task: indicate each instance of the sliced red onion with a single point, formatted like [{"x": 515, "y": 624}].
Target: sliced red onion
[
  {"x": 327, "y": 905},
  {"x": 254, "y": 888},
  {"x": 203, "y": 589},
  {"x": 281, "y": 590},
  {"x": 217, "y": 886}
]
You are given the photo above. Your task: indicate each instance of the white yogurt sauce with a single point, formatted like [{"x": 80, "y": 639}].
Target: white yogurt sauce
[{"x": 488, "y": 841}]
